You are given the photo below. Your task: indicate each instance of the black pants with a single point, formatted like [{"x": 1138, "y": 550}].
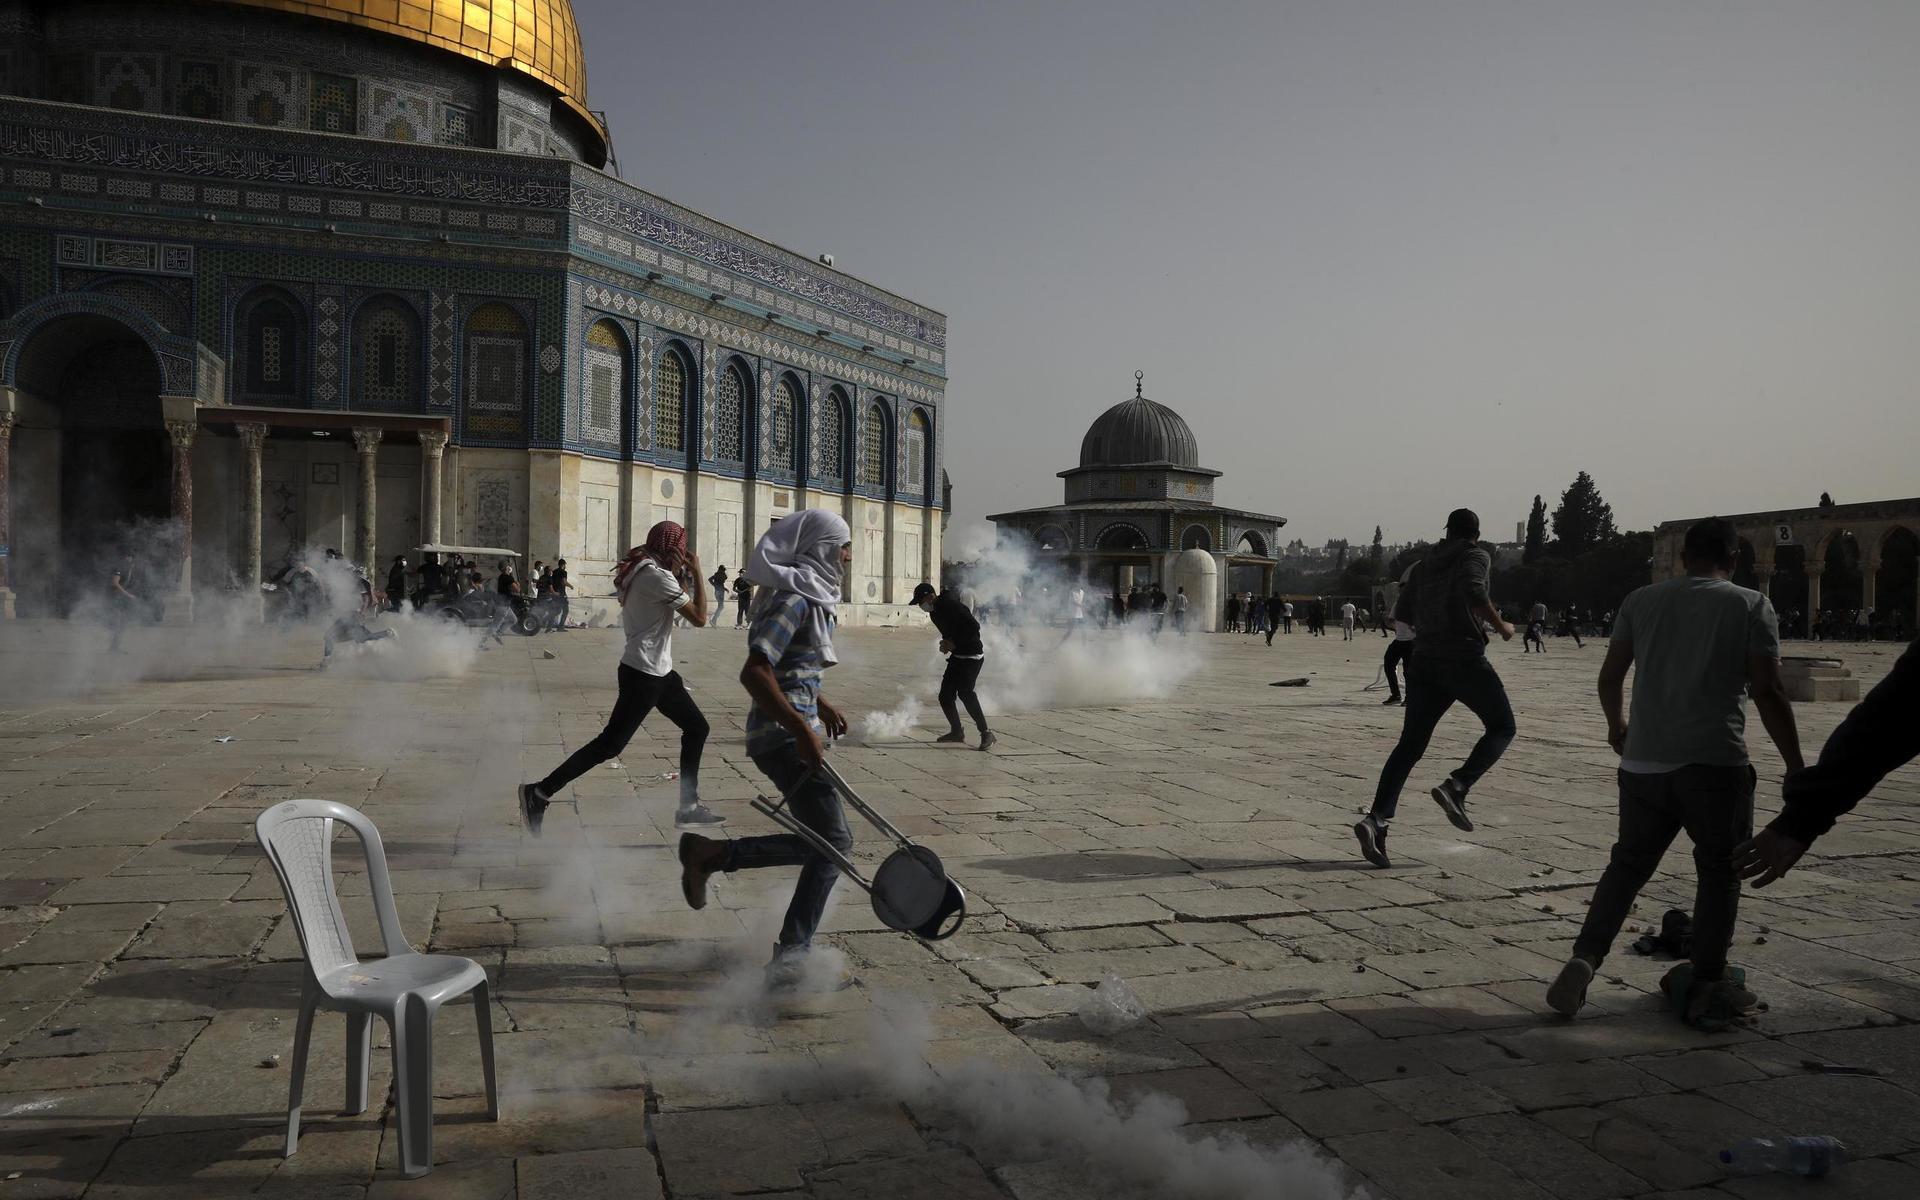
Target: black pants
[
  {"x": 1398, "y": 652},
  {"x": 957, "y": 683},
  {"x": 1715, "y": 806},
  {"x": 640, "y": 694},
  {"x": 1433, "y": 685}
]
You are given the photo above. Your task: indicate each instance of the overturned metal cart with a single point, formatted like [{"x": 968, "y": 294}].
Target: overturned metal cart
[{"x": 910, "y": 889}]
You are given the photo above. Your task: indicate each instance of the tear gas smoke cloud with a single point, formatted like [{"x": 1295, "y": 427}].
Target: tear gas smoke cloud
[
  {"x": 226, "y": 634},
  {"x": 1132, "y": 1146},
  {"x": 1037, "y": 656}
]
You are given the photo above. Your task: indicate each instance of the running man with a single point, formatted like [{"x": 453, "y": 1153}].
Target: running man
[
  {"x": 1445, "y": 599},
  {"x": 1697, "y": 646},
  {"x": 649, "y": 585},
  {"x": 966, "y": 655},
  {"x": 795, "y": 570}
]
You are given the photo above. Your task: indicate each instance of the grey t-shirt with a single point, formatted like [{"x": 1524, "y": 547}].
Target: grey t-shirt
[{"x": 1691, "y": 639}]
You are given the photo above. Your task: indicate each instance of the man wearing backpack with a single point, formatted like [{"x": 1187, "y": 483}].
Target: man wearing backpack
[{"x": 1445, "y": 600}]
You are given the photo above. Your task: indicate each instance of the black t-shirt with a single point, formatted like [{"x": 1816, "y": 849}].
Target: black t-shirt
[
  {"x": 956, "y": 623},
  {"x": 506, "y": 585},
  {"x": 557, "y": 582},
  {"x": 397, "y": 580}
]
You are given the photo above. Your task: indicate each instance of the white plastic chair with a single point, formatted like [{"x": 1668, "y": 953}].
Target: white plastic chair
[{"x": 406, "y": 988}]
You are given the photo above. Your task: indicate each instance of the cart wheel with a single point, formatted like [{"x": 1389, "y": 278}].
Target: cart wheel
[{"x": 527, "y": 625}]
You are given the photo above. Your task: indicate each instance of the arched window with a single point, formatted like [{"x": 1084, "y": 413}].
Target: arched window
[
  {"x": 730, "y": 414},
  {"x": 604, "y": 386},
  {"x": 496, "y": 373},
  {"x": 1196, "y": 538},
  {"x": 781, "y": 442},
  {"x": 270, "y": 354},
  {"x": 913, "y": 455},
  {"x": 1052, "y": 538},
  {"x": 830, "y": 450},
  {"x": 386, "y": 351},
  {"x": 873, "y": 447},
  {"x": 670, "y": 403}
]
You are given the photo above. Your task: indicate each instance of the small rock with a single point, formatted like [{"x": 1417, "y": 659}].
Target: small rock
[
  {"x": 1759, "y": 941},
  {"x": 1547, "y": 908},
  {"x": 548, "y": 654},
  {"x": 270, "y": 1061},
  {"x": 1359, "y": 968},
  {"x": 1399, "y": 1070},
  {"x": 1764, "y": 929},
  {"x": 1446, "y": 874}
]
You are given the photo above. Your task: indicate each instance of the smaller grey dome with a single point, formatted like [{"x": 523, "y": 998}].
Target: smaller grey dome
[{"x": 1136, "y": 432}]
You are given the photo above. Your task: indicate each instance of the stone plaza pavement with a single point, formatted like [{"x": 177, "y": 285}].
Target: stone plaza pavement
[{"x": 1195, "y": 845}]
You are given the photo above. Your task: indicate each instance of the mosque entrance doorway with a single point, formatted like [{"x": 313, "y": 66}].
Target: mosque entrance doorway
[{"x": 94, "y": 467}]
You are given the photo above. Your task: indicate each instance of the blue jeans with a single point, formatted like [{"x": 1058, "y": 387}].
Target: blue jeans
[
  {"x": 816, "y": 805},
  {"x": 1433, "y": 685}
]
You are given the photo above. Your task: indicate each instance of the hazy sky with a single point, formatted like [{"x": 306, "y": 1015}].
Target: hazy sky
[{"x": 1386, "y": 258}]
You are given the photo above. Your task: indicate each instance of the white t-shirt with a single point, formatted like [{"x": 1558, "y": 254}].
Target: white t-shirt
[
  {"x": 1402, "y": 632},
  {"x": 1286, "y": 608},
  {"x": 1346, "y": 612},
  {"x": 1079, "y": 598},
  {"x": 646, "y": 616},
  {"x": 1540, "y": 613},
  {"x": 1179, "y": 602}
]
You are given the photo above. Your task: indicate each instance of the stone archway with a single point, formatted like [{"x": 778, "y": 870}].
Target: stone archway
[
  {"x": 91, "y": 469},
  {"x": 1897, "y": 581}
]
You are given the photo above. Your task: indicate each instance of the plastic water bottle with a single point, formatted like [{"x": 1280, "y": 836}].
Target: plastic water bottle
[{"x": 1812, "y": 1157}]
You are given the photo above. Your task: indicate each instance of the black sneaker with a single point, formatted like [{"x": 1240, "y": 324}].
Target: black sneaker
[
  {"x": 697, "y": 816},
  {"x": 1569, "y": 990},
  {"x": 533, "y": 810},
  {"x": 1373, "y": 842},
  {"x": 1391, "y": 700},
  {"x": 987, "y": 740},
  {"x": 1452, "y": 799},
  {"x": 954, "y": 737}
]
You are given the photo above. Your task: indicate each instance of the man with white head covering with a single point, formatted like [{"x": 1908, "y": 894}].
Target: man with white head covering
[{"x": 795, "y": 571}]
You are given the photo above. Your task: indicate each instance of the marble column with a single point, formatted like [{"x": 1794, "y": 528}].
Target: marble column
[
  {"x": 367, "y": 442},
  {"x": 253, "y": 435},
  {"x": 1813, "y": 597},
  {"x": 1763, "y": 579},
  {"x": 180, "y": 433},
  {"x": 6, "y": 518},
  {"x": 1870, "y": 583},
  {"x": 433, "y": 445}
]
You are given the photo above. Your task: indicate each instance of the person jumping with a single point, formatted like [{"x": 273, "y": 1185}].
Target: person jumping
[
  {"x": 649, "y": 583},
  {"x": 1445, "y": 599},
  {"x": 966, "y": 655}
]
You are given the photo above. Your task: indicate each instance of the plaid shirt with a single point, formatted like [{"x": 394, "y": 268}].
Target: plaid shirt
[{"x": 780, "y": 637}]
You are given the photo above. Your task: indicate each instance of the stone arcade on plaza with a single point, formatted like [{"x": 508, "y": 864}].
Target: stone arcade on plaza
[
  {"x": 1140, "y": 508},
  {"x": 362, "y": 281},
  {"x": 1837, "y": 557}
]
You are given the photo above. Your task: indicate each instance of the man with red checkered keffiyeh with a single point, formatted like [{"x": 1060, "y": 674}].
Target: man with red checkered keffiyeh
[{"x": 651, "y": 582}]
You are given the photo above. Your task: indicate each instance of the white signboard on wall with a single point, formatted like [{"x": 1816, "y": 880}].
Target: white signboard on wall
[{"x": 1782, "y": 534}]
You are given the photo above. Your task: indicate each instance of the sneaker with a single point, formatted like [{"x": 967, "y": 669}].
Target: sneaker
[
  {"x": 699, "y": 858},
  {"x": 697, "y": 816},
  {"x": 1390, "y": 700},
  {"x": 1452, "y": 799},
  {"x": 1373, "y": 842},
  {"x": 1569, "y": 991},
  {"x": 533, "y": 809},
  {"x": 987, "y": 740},
  {"x": 796, "y": 971},
  {"x": 955, "y": 736}
]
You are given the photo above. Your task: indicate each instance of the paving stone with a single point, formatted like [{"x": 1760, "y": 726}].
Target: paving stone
[
  {"x": 701, "y": 1151},
  {"x": 589, "y": 1174},
  {"x": 1546, "y": 1158},
  {"x": 1556, "y": 1085},
  {"x": 1426, "y": 1163}
]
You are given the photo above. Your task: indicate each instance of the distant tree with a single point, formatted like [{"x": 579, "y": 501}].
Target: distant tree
[
  {"x": 1536, "y": 532},
  {"x": 1583, "y": 520},
  {"x": 1377, "y": 560},
  {"x": 1408, "y": 556}
]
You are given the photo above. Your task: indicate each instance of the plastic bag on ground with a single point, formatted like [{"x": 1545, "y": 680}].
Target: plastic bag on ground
[{"x": 1112, "y": 1007}]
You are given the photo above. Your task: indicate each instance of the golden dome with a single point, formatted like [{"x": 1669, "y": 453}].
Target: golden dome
[{"x": 534, "y": 37}]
